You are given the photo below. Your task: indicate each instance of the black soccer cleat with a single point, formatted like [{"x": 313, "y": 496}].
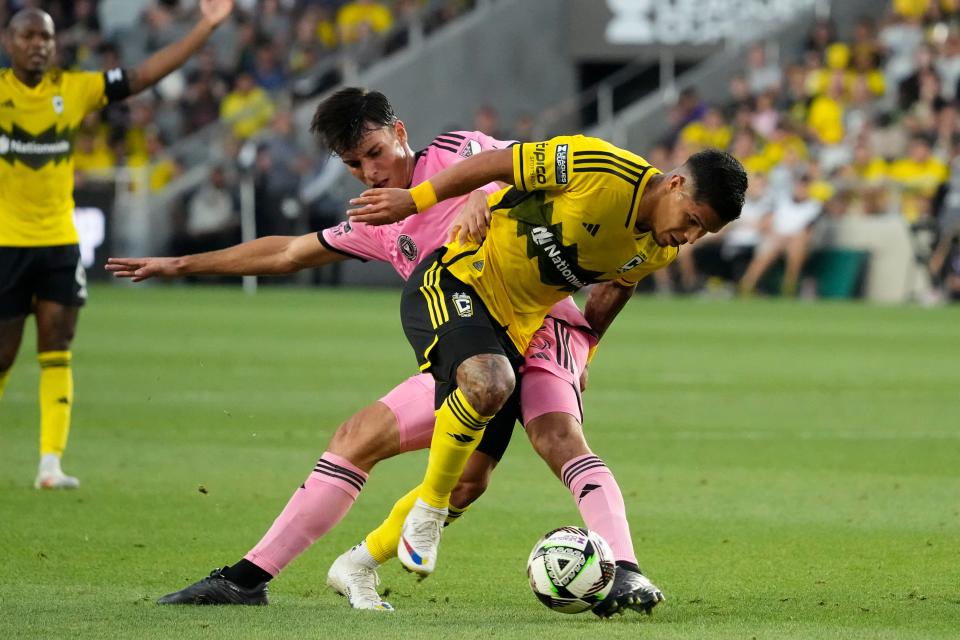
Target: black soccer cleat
[
  {"x": 216, "y": 589},
  {"x": 631, "y": 590}
]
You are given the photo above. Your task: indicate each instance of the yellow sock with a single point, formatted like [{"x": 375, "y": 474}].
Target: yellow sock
[
  {"x": 3, "y": 380},
  {"x": 456, "y": 434},
  {"x": 56, "y": 400},
  {"x": 382, "y": 542},
  {"x": 453, "y": 514}
]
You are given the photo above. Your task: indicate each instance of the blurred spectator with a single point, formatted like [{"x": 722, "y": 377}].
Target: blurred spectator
[
  {"x": 212, "y": 221},
  {"x": 709, "y": 133},
  {"x": 790, "y": 231},
  {"x": 247, "y": 108},
  {"x": 267, "y": 70},
  {"x": 487, "y": 120},
  {"x": 762, "y": 74},
  {"x": 945, "y": 263},
  {"x": 727, "y": 254},
  {"x": 358, "y": 19},
  {"x": 279, "y": 168},
  {"x": 919, "y": 175}
]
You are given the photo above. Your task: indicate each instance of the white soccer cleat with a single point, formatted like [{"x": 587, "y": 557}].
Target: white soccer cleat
[
  {"x": 56, "y": 479},
  {"x": 357, "y": 582},
  {"x": 420, "y": 538}
]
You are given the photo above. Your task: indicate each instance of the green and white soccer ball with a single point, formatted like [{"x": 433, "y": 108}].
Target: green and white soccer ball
[{"x": 571, "y": 569}]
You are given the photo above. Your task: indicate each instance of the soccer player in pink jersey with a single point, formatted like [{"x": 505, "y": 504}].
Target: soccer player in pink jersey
[{"x": 361, "y": 128}]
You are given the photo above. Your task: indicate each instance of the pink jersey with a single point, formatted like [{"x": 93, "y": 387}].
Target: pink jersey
[{"x": 403, "y": 244}]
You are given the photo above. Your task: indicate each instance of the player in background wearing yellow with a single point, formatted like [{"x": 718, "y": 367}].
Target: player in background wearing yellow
[
  {"x": 41, "y": 107},
  {"x": 581, "y": 211}
]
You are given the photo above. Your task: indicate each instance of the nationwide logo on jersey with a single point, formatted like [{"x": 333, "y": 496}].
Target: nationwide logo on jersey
[
  {"x": 557, "y": 263},
  {"x": 35, "y": 151},
  {"x": 463, "y": 303},
  {"x": 470, "y": 149},
  {"x": 408, "y": 247},
  {"x": 635, "y": 261}
]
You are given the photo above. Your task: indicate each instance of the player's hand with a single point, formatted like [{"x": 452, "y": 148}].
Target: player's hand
[
  {"x": 472, "y": 221},
  {"x": 584, "y": 376},
  {"x": 138, "y": 269},
  {"x": 382, "y": 206},
  {"x": 213, "y": 12}
]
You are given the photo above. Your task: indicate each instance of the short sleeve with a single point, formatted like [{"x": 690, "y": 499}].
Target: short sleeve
[{"x": 543, "y": 165}]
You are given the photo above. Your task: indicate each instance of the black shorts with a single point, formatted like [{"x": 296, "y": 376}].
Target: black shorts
[
  {"x": 42, "y": 273},
  {"x": 446, "y": 322}
]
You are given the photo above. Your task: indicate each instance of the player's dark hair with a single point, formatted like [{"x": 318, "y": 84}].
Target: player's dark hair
[
  {"x": 720, "y": 181},
  {"x": 342, "y": 120}
]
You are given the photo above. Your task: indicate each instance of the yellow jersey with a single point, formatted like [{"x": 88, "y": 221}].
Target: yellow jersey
[
  {"x": 569, "y": 221},
  {"x": 37, "y": 128}
]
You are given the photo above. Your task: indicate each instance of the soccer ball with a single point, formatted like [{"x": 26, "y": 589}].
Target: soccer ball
[{"x": 571, "y": 569}]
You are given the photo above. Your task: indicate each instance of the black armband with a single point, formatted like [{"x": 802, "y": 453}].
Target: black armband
[{"x": 116, "y": 84}]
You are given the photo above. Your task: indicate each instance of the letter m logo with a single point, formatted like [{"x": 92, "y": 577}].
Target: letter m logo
[{"x": 541, "y": 235}]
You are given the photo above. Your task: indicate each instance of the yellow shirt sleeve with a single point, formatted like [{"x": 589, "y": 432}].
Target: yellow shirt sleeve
[{"x": 542, "y": 165}]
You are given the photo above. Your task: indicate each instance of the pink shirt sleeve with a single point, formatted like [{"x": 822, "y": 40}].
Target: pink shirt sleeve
[{"x": 354, "y": 240}]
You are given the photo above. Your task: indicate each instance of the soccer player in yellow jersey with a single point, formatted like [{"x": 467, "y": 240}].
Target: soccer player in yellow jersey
[
  {"x": 41, "y": 108},
  {"x": 581, "y": 211}
]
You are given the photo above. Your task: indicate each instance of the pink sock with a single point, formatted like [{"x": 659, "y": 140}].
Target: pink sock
[
  {"x": 316, "y": 507},
  {"x": 600, "y": 503}
]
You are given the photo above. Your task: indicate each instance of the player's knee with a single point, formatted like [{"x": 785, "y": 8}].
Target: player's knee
[
  {"x": 366, "y": 438},
  {"x": 487, "y": 381},
  {"x": 557, "y": 438}
]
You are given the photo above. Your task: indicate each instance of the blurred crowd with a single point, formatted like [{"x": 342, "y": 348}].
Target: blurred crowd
[
  {"x": 861, "y": 126},
  {"x": 257, "y": 66}
]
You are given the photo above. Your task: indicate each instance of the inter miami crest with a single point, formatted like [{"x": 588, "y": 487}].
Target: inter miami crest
[{"x": 408, "y": 247}]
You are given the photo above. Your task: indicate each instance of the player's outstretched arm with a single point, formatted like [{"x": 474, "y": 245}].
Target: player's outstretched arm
[
  {"x": 272, "y": 255},
  {"x": 383, "y": 206},
  {"x": 154, "y": 68}
]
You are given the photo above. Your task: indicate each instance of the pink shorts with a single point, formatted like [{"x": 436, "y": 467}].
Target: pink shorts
[
  {"x": 411, "y": 402},
  {"x": 551, "y": 371},
  {"x": 550, "y": 384}
]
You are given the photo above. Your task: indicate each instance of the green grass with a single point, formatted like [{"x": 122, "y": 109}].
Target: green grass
[{"x": 790, "y": 471}]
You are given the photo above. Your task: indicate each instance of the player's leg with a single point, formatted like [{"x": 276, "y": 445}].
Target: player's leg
[
  {"x": 454, "y": 338},
  {"x": 16, "y": 295},
  {"x": 11, "y": 334},
  {"x": 762, "y": 261},
  {"x": 795, "y": 254},
  {"x": 56, "y": 326},
  {"x": 401, "y": 421},
  {"x": 553, "y": 416},
  {"x": 60, "y": 290}
]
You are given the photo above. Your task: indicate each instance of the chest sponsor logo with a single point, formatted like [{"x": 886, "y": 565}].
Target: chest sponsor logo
[
  {"x": 408, "y": 247},
  {"x": 558, "y": 264},
  {"x": 561, "y": 164},
  {"x": 463, "y": 303},
  {"x": 35, "y": 151},
  {"x": 635, "y": 261}
]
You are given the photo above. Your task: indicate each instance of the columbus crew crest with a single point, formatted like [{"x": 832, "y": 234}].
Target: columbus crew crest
[{"x": 463, "y": 303}]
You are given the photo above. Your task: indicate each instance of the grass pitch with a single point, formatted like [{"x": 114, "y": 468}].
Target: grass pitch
[{"x": 790, "y": 470}]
